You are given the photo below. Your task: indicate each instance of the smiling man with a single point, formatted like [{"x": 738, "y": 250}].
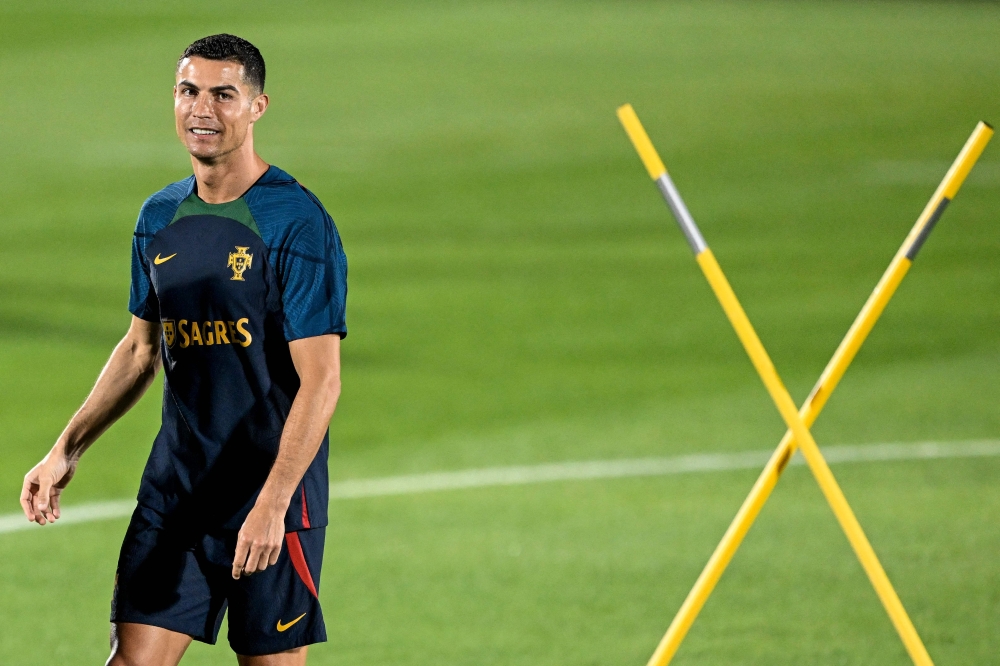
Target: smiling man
[{"x": 239, "y": 284}]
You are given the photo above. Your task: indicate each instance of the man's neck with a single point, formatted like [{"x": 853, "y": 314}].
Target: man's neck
[{"x": 228, "y": 178}]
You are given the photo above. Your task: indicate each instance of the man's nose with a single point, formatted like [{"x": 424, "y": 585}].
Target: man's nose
[{"x": 202, "y": 107}]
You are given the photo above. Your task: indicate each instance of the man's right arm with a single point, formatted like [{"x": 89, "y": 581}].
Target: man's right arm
[{"x": 128, "y": 373}]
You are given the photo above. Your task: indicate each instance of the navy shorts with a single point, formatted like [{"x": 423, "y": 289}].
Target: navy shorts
[{"x": 171, "y": 577}]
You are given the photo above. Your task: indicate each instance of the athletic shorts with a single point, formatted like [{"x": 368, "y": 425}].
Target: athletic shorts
[{"x": 182, "y": 581}]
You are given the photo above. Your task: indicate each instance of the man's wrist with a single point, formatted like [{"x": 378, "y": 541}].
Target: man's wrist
[
  {"x": 275, "y": 500},
  {"x": 68, "y": 448}
]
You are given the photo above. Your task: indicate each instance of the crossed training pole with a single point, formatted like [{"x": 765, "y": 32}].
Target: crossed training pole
[{"x": 798, "y": 421}]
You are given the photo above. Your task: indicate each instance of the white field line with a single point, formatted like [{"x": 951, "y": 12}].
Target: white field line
[
  {"x": 81, "y": 513},
  {"x": 568, "y": 471}
]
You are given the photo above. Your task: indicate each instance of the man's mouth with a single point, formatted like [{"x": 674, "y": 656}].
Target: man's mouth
[{"x": 200, "y": 131}]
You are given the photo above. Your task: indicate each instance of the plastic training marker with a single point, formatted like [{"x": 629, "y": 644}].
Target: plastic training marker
[{"x": 799, "y": 421}]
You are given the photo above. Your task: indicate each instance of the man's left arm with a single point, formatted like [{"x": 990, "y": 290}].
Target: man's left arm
[{"x": 317, "y": 361}]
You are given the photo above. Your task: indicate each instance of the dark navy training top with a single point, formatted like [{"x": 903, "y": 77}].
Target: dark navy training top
[{"x": 232, "y": 284}]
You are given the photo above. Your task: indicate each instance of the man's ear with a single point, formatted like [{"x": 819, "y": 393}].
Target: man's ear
[{"x": 258, "y": 106}]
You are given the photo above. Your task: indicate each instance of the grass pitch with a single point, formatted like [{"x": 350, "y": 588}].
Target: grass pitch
[{"x": 519, "y": 294}]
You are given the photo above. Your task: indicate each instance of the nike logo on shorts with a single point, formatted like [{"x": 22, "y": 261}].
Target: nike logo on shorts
[
  {"x": 283, "y": 627},
  {"x": 159, "y": 260}
]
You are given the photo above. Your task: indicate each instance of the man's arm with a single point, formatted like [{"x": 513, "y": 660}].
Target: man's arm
[
  {"x": 128, "y": 373},
  {"x": 317, "y": 361}
]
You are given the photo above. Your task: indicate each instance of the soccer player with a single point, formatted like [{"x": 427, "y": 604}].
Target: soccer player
[{"x": 238, "y": 292}]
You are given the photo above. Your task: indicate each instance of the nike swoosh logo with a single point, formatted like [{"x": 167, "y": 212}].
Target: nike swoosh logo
[
  {"x": 159, "y": 260},
  {"x": 282, "y": 627}
]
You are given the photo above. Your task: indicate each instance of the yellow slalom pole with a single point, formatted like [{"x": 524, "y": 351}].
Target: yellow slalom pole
[
  {"x": 797, "y": 421},
  {"x": 828, "y": 381}
]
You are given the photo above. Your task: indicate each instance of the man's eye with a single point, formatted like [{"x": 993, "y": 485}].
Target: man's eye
[{"x": 225, "y": 96}]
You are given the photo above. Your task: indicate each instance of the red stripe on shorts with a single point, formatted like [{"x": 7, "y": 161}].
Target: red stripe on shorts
[
  {"x": 305, "y": 509},
  {"x": 299, "y": 560}
]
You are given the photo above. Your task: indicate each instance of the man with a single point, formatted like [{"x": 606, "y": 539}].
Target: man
[{"x": 238, "y": 292}]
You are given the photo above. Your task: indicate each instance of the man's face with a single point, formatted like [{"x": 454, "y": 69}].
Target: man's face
[{"x": 213, "y": 108}]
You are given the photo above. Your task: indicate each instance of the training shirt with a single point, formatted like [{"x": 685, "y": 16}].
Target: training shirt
[{"x": 231, "y": 285}]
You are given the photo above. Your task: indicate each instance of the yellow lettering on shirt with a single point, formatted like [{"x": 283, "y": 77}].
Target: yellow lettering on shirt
[
  {"x": 196, "y": 333},
  {"x": 220, "y": 333},
  {"x": 244, "y": 332},
  {"x": 212, "y": 332}
]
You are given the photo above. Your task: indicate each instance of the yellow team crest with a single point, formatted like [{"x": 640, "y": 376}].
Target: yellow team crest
[
  {"x": 239, "y": 261},
  {"x": 168, "y": 332}
]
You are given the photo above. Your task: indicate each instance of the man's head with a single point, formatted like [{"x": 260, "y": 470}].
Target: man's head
[{"x": 218, "y": 95}]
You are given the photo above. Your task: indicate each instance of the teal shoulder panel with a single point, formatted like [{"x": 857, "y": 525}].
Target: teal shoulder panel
[{"x": 234, "y": 210}]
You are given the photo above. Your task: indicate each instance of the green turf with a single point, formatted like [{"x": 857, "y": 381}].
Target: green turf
[{"x": 519, "y": 294}]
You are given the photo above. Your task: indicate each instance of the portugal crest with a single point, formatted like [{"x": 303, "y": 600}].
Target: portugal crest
[
  {"x": 239, "y": 261},
  {"x": 168, "y": 332}
]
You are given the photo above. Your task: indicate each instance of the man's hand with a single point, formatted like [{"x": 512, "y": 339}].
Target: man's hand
[
  {"x": 44, "y": 484},
  {"x": 259, "y": 542}
]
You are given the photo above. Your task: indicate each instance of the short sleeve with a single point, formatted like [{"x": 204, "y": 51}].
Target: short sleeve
[
  {"x": 312, "y": 273},
  {"x": 142, "y": 298}
]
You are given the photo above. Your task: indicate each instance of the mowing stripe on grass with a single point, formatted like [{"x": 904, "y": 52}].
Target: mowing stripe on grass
[{"x": 412, "y": 484}]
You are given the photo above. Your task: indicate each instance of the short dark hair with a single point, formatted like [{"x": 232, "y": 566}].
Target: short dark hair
[{"x": 234, "y": 49}]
